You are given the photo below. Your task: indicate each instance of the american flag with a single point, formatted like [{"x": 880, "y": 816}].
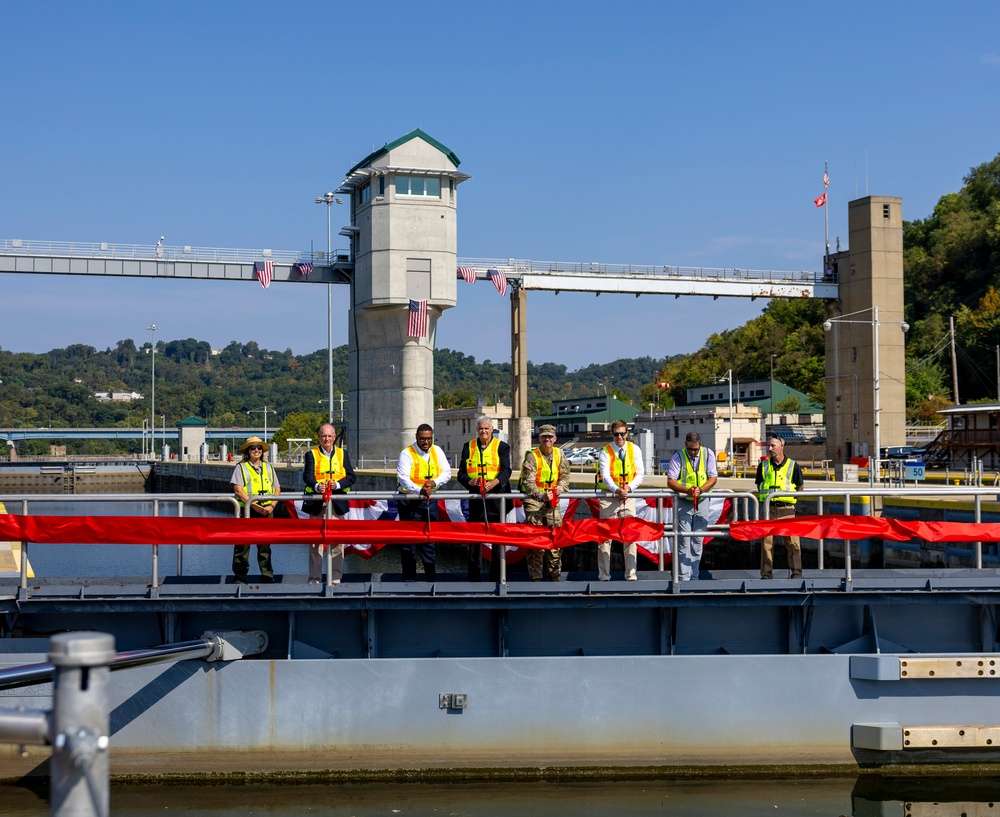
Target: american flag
[
  {"x": 826, "y": 180},
  {"x": 416, "y": 326},
  {"x": 499, "y": 279},
  {"x": 468, "y": 273},
  {"x": 820, "y": 201},
  {"x": 265, "y": 272},
  {"x": 305, "y": 268}
]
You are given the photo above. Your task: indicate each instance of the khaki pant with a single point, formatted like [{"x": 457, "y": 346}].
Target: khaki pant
[
  {"x": 316, "y": 557},
  {"x": 781, "y": 510},
  {"x": 613, "y": 507}
]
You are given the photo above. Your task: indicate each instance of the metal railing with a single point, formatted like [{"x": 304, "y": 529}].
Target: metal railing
[
  {"x": 745, "y": 506},
  {"x": 515, "y": 267},
  {"x": 79, "y": 725},
  {"x": 158, "y": 502},
  {"x": 158, "y": 252}
]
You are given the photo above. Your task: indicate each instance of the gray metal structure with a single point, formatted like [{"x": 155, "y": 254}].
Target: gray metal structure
[
  {"x": 843, "y": 669},
  {"x": 211, "y": 263}
]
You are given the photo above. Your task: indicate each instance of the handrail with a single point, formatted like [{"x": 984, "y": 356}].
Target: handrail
[
  {"x": 746, "y": 505},
  {"x": 180, "y": 499},
  {"x": 212, "y": 646}
]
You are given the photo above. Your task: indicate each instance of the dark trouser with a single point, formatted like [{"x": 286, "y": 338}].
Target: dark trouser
[
  {"x": 476, "y": 548},
  {"x": 418, "y": 511},
  {"x": 241, "y": 556}
]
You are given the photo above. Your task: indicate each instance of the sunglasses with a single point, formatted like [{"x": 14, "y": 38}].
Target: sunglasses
[
  {"x": 255, "y": 448},
  {"x": 619, "y": 433}
]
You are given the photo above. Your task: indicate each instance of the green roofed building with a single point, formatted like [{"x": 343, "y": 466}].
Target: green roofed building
[
  {"x": 191, "y": 438},
  {"x": 582, "y": 414},
  {"x": 785, "y": 406}
]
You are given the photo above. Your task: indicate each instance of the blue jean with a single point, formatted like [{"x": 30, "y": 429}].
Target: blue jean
[{"x": 689, "y": 549}]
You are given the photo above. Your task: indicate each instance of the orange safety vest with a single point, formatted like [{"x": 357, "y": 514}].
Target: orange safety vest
[
  {"x": 327, "y": 468},
  {"x": 420, "y": 471},
  {"x": 485, "y": 463},
  {"x": 623, "y": 472},
  {"x": 552, "y": 479}
]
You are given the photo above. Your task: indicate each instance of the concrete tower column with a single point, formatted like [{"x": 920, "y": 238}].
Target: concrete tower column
[
  {"x": 404, "y": 247},
  {"x": 870, "y": 275}
]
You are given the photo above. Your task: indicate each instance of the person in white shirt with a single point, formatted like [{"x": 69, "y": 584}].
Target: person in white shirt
[
  {"x": 622, "y": 472},
  {"x": 421, "y": 469}
]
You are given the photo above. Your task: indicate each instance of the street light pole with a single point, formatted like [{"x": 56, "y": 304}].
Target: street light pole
[
  {"x": 152, "y": 400},
  {"x": 729, "y": 377},
  {"x": 263, "y": 411},
  {"x": 329, "y": 200},
  {"x": 770, "y": 413}
]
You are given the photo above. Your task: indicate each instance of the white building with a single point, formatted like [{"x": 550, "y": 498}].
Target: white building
[
  {"x": 453, "y": 428},
  {"x": 712, "y": 424}
]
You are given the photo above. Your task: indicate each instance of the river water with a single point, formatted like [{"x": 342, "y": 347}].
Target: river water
[
  {"x": 694, "y": 798},
  {"x": 864, "y": 797}
]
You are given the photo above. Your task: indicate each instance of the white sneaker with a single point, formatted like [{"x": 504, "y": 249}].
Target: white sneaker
[
  {"x": 314, "y": 581},
  {"x": 336, "y": 581}
]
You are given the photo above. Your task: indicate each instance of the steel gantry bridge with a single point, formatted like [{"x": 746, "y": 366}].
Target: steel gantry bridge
[{"x": 306, "y": 267}]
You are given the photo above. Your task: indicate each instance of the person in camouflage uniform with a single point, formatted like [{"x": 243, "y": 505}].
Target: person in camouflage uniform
[{"x": 544, "y": 478}]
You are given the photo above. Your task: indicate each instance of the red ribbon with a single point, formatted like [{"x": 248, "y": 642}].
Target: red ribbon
[
  {"x": 835, "y": 526},
  {"x": 160, "y": 530}
]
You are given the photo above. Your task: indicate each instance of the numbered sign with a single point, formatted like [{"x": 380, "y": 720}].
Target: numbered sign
[{"x": 914, "y": 471}]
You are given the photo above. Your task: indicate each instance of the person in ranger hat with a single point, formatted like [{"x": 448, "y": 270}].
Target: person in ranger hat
[
  {"x": 544, "y": 477},
  {"x": 254, "y": 476}
]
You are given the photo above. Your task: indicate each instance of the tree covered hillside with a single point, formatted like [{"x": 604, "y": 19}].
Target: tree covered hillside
[{"x": 951, "y": 264}]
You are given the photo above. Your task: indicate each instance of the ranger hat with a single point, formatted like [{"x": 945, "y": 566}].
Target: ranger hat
[
  {"x": 252, "y": 441},
  {"x": 546, "y": 429}
]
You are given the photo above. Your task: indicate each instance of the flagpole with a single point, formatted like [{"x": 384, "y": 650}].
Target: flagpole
[{"x": 826, "y": 216}]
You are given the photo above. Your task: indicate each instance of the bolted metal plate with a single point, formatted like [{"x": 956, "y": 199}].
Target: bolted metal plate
[
  {"x": 969, "y": 666},
  {"x": 950, "y": 737}
]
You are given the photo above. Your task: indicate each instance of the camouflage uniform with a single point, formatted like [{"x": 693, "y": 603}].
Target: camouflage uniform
[{"x": 538, "y": 510}]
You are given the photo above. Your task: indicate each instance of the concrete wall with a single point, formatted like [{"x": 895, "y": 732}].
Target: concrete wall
[
  {"x": 405, "y": 248},
  {"x": 870, "y": 276}
]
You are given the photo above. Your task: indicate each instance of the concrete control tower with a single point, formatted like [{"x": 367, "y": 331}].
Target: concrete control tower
[{"x": 404, "y": 245}]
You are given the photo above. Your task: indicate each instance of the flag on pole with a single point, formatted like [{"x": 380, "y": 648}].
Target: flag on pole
[
  {"x": 826, "y": 180},
  {"x": 416, "y": 325},
  {"x": 499, "y": 279},
  {"x": 305, "y": 268},
  {"x": 820, "y": 201},
  {"x": 265, "y": 272},
  {"x": 468, "y": 273}
]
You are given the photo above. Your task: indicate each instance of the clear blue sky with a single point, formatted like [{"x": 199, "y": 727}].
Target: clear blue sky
[{"x": 643, "y": 132}]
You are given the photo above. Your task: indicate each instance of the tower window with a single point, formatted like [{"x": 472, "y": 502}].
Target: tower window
[
  {"x": 418, "y": 186},
  {"x": 885, "y": 211}
]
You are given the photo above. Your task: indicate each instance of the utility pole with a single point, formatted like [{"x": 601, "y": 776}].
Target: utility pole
[{"x": 954, "y": 363}]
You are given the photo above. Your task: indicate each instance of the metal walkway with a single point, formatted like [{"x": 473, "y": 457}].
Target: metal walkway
[{"x": 211, "y": 263}]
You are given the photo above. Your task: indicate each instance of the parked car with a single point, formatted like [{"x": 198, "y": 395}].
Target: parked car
[
  {"x": 899, "y": 452},
  {"x": 790, "y": 436},
  {"x": 580, "y": 458}
]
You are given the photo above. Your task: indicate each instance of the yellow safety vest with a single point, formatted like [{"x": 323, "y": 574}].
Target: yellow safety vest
[
  {"x": 485, "y": 463},
  {"x": 551, "y": 477},
  {"x": 421, "y": 471},
  {"x": 258, "y": 484},
  {"x": 623, "y": 472},
  {"x": 689, "y": 477},
  {"x": 327, "y": 468},
  {"x": 777, "y": 479}
]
